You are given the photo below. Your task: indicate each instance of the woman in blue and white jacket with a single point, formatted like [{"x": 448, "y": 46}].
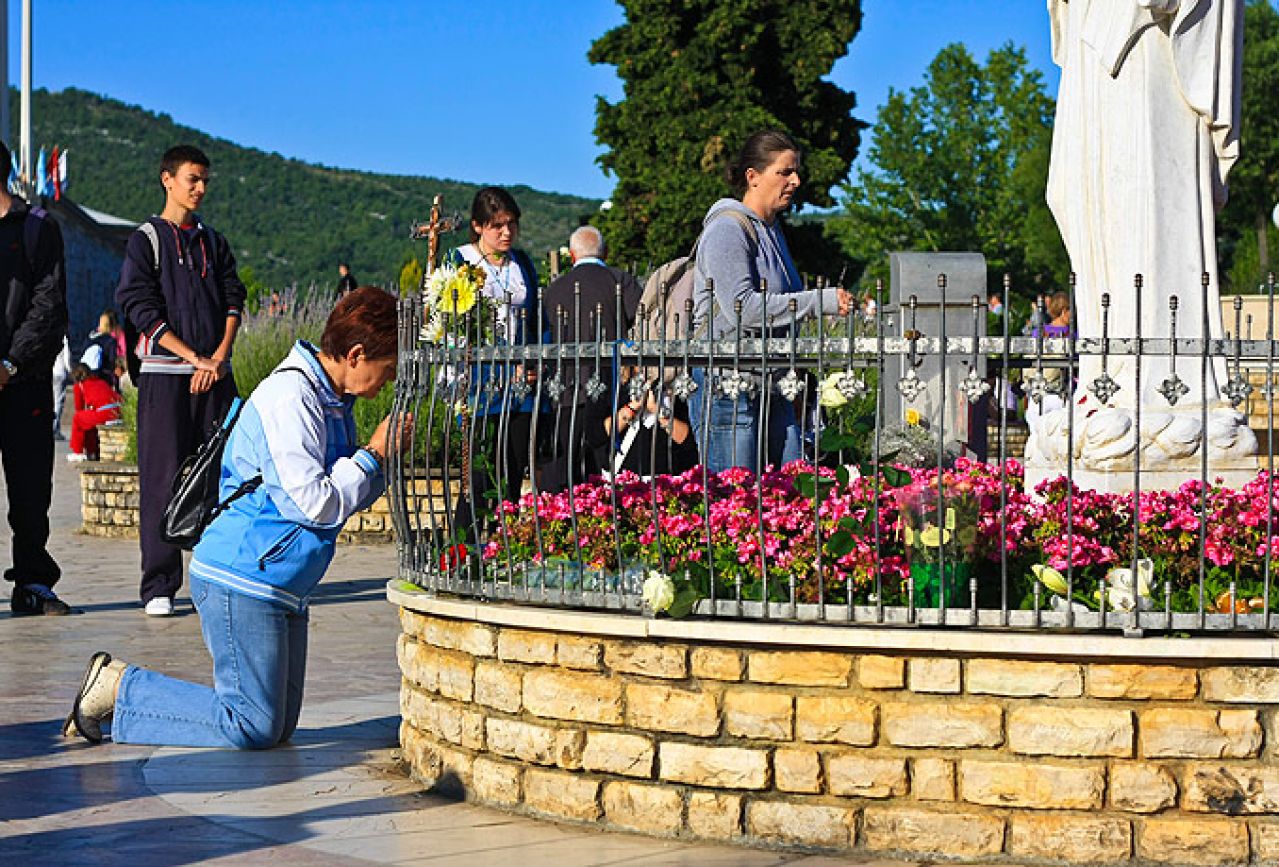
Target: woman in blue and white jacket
[{"x": 259, "y": 561}]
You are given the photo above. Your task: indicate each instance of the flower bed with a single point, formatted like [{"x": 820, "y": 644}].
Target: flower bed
[{"x": 828, "y": 533}]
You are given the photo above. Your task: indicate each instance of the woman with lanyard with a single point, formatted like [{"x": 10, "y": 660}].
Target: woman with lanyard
[
  {"x": 511, "y": 279},
  {"x": 742, "y": 256}
]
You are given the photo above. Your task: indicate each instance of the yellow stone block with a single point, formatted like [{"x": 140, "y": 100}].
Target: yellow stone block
[
  {"x": 716, "y": 663},
  {"x": 618, "y": 753},
  {"x": 761, "y": 715},
  {"x": 713, "y": 767},
  {"x": 800, "y": 824},
  {"x": 657, "y": 707},
  {"x": 571, "y": 695},
  {"x": 1037, "y": 786},
  {"x": 1208, "y": 842},
  {"x": 929, "y": 724},
  {"x": 647, "y": 809},
  {"x": 1199, "y": 733},
  {"x": 835, "y": 719},
  {"x": 645, "y": 658},
  {"x": 563, "y": 795},
  {"x": 799, "y": 668},
  {"x": 1075, "y": 839},
  {"x": 1039, "y": 730},
  {"x": 920, "y": 832},
  {"x": 854, "y": 775}
]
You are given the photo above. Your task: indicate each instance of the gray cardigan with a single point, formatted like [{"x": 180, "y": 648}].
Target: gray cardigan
[{"x": 724, "y": 254}]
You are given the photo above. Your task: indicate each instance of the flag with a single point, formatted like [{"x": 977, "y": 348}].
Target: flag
[
  {"x": 53, "y": 174},
  {"x": 42, "y": 177},
  {"x": 13, "y": 172},
  {"x": 62, "y": 170}
]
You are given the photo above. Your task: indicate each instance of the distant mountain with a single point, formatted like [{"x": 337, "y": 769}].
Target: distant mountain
[{"x": 291, "y": 221}]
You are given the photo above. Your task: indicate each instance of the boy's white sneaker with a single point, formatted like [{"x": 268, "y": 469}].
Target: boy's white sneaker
[{"x": 160, "y": 606}]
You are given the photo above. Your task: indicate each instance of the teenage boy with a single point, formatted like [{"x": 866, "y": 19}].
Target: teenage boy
[
  {"x": 33, "y": 323},
  {"x": 180, "y": 290}
]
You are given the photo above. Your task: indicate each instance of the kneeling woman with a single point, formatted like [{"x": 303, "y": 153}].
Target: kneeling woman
[{"x": 259, "y": 561}]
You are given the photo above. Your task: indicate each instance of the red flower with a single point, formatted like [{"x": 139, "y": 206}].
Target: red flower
[{"x": 453, "y": 557}]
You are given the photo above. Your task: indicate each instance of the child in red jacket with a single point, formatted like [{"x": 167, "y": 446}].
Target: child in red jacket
[{"x": 96, "y": 402}]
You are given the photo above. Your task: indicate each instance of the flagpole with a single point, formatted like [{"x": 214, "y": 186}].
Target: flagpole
[
  {"x": 28, "y": 169},
  {"x": 4, "y": 78}
]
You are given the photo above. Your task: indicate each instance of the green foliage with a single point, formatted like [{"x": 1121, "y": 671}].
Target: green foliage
[
  {"x": 256, "y": 289},
  {"x": 291, "y": 221},
  {"x": 699, "y": 78},
  {"x": 129, "y": 415},
  {"x": 1254, "y": 180},
  {"x": 961, "y": 163},
  {"x": 410, "y": 277},
  {"x": 1247, "y": 276}
]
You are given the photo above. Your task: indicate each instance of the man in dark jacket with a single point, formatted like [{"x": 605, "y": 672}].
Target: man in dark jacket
[
  {"x": 346, "y": 281},
  {"x": 180, "y": 290},
  {"x": 580, "y": 305},
  {"x": 33, "y": 280}
]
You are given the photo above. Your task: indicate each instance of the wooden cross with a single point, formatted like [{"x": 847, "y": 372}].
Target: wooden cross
[{"x": 432, "y": 230}]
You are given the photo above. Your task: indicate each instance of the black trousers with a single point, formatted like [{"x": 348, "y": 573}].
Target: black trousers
[
  {"x": 172, "y": 423},
  {"x": 581, "y": 446},
  {"x": 26, "y": 449}
]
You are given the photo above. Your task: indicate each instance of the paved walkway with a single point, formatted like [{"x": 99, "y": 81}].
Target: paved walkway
[{"x": 336, "y": 796}]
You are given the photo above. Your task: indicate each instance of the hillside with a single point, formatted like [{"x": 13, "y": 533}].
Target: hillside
[{"x": 291, "y": 221}]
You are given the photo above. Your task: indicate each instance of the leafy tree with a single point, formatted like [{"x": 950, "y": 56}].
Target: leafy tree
[
  {"x": 1242, "y": 229},
  {"x": 410, "y": 277},
  {"x": 699, "y": 77},
  {"x": 961, "y": 163}
]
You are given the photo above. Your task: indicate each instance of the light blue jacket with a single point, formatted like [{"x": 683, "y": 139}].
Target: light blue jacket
[{"x": 277, "y": 542}]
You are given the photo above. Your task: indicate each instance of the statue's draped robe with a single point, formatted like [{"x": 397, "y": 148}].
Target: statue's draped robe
[{"x": 1146, "y": 131}]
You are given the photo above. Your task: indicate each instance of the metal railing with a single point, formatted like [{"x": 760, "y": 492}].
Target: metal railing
[{"x": 849, "y": 535}]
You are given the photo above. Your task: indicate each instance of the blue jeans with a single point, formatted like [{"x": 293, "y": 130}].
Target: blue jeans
[
  {"x": 259, "y": 663},
  {"x": 731, "y": 439}
]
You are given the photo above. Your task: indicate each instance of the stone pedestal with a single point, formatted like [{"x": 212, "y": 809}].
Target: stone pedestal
[
  {"x": 940, "y": 402},
  {"x": 1166, "y": 478}
]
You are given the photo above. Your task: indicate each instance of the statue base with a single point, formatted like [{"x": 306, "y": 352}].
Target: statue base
[{"x": 1167, "y": 477}]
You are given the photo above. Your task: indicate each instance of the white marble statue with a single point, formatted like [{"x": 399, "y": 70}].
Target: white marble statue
[{"x": 1146, "y": 131}]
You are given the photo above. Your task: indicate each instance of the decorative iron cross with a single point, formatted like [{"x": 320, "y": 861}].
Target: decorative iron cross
[{"x": 432, "y": 230}]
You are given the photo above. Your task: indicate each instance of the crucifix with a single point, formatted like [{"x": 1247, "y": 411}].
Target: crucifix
[{"x": 431, "y": 231}]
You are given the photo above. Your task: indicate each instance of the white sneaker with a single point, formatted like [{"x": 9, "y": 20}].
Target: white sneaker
[
  {"x": 160, "y": 606},
  {"x": 95, "y": 703},
  {"x": 76, "y": 457}
]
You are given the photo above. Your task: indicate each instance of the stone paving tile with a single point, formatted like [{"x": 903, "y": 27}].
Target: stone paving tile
[{"x": 336, "y": 796}]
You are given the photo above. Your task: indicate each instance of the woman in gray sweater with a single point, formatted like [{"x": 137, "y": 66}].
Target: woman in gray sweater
[{"x": 742, "y": 256}]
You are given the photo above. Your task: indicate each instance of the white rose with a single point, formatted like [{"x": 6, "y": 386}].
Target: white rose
[
  {"x": 658, "y": 592},
  {"x": 1125, "y": 594}
]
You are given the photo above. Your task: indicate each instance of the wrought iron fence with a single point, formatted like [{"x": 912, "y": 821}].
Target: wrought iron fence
[{"x": 850, "y": 534}]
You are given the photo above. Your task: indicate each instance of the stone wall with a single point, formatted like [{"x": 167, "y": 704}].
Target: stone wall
[
  {"x": 981, "y": 757},
  {"x": 109, "y": 506}
]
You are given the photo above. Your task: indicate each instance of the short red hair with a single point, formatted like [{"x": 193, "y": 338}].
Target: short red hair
[{"x": 368, "y": 316}]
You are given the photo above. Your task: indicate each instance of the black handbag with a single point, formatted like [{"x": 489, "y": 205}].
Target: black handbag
[{"x": 194, "y": 502}]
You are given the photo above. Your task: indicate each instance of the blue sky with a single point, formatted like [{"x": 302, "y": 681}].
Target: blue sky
[{"x": 496, "y": 92}]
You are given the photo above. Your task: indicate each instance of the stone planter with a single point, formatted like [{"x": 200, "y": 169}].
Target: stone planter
[
  {"x": 113, "y": 442},
  {"x": 109, "y": 505},
  {"x": 927, "y": 743}
]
